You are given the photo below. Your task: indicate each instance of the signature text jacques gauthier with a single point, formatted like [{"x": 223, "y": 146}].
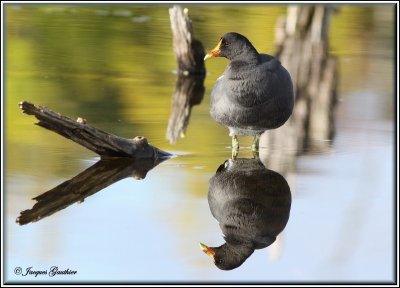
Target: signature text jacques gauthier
[{"x": 52, "y": 272}]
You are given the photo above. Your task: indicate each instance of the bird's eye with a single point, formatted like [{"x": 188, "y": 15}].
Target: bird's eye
[
  {"x": 226, "y": 44},
  {"x": 226, "y": 164}
]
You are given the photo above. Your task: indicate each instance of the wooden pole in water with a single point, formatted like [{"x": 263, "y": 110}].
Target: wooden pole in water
[
  {"x": 189, "y": 88},
  {"x": 189, "y": 52}
]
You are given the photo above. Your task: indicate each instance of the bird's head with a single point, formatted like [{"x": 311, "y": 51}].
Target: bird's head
[
  {"x": 233, "y": 46},
  {"x": 227, "y": 257}
]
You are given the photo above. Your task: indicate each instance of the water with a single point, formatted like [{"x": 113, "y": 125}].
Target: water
[{"x": 113, "y": 66}]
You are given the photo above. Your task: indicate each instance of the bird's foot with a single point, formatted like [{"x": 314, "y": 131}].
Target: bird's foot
[
  {"x": 235, "y": 153},
  {"x": 256, "y": 154},
  {"x": 235, "y": 147},
  {"x": 255, "y": 146}
]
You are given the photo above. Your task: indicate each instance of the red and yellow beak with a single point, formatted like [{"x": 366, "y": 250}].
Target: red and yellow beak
[
  {"x": 208, "y": 250},
  {"x": 214, "y": 52}
]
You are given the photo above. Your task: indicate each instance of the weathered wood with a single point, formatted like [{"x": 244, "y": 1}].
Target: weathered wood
[
  {"x": 189, "y": 91},
  {"x": 189, "y": 52},
  {"x": 303, "y": 48},
  {"x": 97, "y": 177},
  {"x": 100, "y": 142}
]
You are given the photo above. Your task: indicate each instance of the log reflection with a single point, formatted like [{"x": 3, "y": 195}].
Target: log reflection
[
  {"x": 189, "y": 91},
  {"x": 97, "y": 177}
]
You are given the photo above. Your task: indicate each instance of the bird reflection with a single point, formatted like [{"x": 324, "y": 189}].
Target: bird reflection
[
  {"x": 251, "y": 204},
  {"x": 97, "y": 177}
]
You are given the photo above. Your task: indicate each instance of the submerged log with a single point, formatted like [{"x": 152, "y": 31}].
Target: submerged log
[
  {"x": 100, "y": 142},
  {"x": 97, "y": 177},
  {"x": 303, "y": 48},
  {"x": 189, "y": 52}
]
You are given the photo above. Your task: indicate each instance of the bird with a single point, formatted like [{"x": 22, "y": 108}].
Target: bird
[
  {"x": 252, "y": 205},
  {"x": 254, "y": 94}
]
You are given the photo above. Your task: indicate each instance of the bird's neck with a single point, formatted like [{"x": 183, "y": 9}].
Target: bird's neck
[
  {"x": 242, "y": 250},
  {"x": 249, "y": 56}
]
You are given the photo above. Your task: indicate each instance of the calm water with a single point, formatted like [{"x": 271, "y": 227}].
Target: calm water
[{"x": 113, "y": 65}]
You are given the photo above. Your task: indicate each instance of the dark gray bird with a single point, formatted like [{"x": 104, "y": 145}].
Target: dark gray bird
[
  {"x": 252, "y": 206},
  {"x": 254, "y": 94}
]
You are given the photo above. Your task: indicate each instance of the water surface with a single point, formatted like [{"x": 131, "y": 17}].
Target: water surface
[{"x": 113, "y": 66}]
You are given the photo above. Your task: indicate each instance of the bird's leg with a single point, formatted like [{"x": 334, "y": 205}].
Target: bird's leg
[
  {"x": 235, "y": 147},
  {"x": 255, "y": 145}
]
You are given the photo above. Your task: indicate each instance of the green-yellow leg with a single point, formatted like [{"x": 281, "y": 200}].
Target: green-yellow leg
[
  {"x": 255, "y": 146},
  {"x": 235, "y": 147}
]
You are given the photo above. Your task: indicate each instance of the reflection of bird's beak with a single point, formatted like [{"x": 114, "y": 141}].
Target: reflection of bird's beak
[
  {"x": 208, "y": 250},
  {"x": 214, "y": 52}
]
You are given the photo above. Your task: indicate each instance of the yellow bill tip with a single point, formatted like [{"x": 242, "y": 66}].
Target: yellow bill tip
[
  {"x": 208, "y": 55},
  {"x": 203, "y": 247},
  {"x": 208, "y": 250}
]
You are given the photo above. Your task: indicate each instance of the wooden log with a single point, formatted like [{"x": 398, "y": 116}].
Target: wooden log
[
  {"x": 97, "y": 177},
  {"x": 189, "y": 52},
  {"x": 100, "y": 142},
  {"x": 189, "y": 91}
]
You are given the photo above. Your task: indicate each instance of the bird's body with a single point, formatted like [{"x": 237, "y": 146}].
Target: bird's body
[
  {"x": 250, "y": 99},
  {"x": 255, "y": 92}
]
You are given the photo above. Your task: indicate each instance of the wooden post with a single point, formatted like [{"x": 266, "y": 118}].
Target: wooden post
[
  {"x": 189, "y": 88},
  {"x": 189, "y": 52}
]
